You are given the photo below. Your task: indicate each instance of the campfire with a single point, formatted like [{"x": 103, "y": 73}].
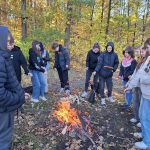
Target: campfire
[{"x": 72, "y": 121}]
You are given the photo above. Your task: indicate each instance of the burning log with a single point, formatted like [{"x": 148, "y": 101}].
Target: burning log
[{"x": 74, "y": 122}]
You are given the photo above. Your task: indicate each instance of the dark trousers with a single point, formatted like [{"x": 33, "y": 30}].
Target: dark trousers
[
  {"x": 6, "y": 130},
  {"x": 63, "y": 77},
  {"x": 109, "y": 85},
  {"x": 88, "y": 76}
]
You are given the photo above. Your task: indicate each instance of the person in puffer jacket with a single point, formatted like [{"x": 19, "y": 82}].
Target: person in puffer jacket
[
  {"x": 62, "y": 65},
  {"x": 107, "y": 64},
  {"x": 91, "y": 62},
  {"x": 12, "y": 96}
]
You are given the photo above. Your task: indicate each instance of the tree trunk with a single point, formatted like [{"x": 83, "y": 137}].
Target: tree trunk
[
  {"x": 102, "y": 15},
  {"x": 128, "y": 23},
  {"x": 145, "y": 16},
  {"x": 24, "y": 20},
  {"x": 68, "y": 25},
  {"x": 91, "y": 23},
  {"x": 108, "y": 19}
]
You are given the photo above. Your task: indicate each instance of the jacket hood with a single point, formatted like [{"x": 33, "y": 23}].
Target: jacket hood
[
  {"x": 3, "y": 37},
  {"x": 110, "y": 44}
]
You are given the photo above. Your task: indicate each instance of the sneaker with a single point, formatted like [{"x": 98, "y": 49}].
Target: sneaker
[
  {"x": 124, "y": 107},
  {"x": 84, "y": 94},
  {"x": 141, "y": 145},
  {"x": 139, "y": 125},
  {"x": 67, "y": 92},
  {"x": 62, "y": 90},
  {"x": 111, "y": 99},
  {"x": 34, "y": 100},
  {"x": 103, "y": 101},
  {"x": 133, "y": 120},
  {"x": 138, "y": 135},
  {"x": 43, "y": 98}
]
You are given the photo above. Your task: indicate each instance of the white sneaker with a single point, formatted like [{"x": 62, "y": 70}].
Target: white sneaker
[
  {"x": 84, "y": 94},
  {"x": 34, "y": 100},
  {"x": 111, "y": 99},
  {"x": 42, "y": 98},
  {"x": 67, "y": 92},
  {"x": 141, "y": 145},
  {"x": 103, "y": 101},
  {"x": 139, "y": 125},
  {"x": 133, "y": 120},
  {"x": 138, "y": 135},
  {"x": 62, "y": 90}
]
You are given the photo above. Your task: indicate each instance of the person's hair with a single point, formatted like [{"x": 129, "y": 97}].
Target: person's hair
[
  {"x": 34, "y": 43},
  {"x": 130, "y": 51},
  {"x": 143, "y": 59},
  {"x": 147, "y": 42},
  {"x": 54, "y": 45},
  {"x": 11, "y": 37},
  {"x": 96, "y": 45}
]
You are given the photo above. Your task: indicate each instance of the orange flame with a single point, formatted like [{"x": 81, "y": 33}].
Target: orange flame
[{"x": 66, "y": 114}]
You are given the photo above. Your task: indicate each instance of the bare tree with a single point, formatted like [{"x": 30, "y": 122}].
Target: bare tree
[{"x": 24, "y": 20}]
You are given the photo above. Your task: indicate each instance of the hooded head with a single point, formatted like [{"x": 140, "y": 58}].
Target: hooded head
[
  {"x": 6, "y": 38},
  {"x": 110, "y": 47}
]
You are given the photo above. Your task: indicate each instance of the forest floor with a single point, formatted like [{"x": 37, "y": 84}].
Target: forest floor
[{"x": 35, "y": 130}]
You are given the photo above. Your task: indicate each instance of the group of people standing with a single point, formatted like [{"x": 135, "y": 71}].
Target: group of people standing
[{"x": 134, "y": 74}]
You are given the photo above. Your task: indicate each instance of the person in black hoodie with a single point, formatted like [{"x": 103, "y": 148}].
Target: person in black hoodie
[
  {"x": 19, "y": 60},
  {"x": 107, "y": 64},
  {"x": 12, "y": 95},
  {"x": 62, "y": 63},
  {"x": 37, "y": 69},
  {"x": 91, "y": 62}
]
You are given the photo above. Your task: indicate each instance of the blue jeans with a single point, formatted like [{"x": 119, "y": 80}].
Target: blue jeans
[
  {"x": 144, "y": 114},
  {"x": 38, "y": 83},
  {"x": 128, "y": 95}
]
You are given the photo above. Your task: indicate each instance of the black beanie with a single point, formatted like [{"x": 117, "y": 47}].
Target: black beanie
[{"x": 96, "y": 45}]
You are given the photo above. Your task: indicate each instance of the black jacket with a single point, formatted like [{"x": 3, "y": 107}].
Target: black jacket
[
  {"x": 34, "y": 64},
  {"x": 125, "y": 72},
  {"x": 19, "y": 60},
  {"x": 92, "y": 59},
  {"x": 62, "y": 58},
  {"x": 107, "y": 63},
  {"x": 11, "y": 93}
]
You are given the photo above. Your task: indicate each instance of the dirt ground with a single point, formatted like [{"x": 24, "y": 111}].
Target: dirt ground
[{"x": 35, "y": 129}]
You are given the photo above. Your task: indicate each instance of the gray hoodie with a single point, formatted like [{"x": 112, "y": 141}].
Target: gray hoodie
[{"x": 142, "y": 79}]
